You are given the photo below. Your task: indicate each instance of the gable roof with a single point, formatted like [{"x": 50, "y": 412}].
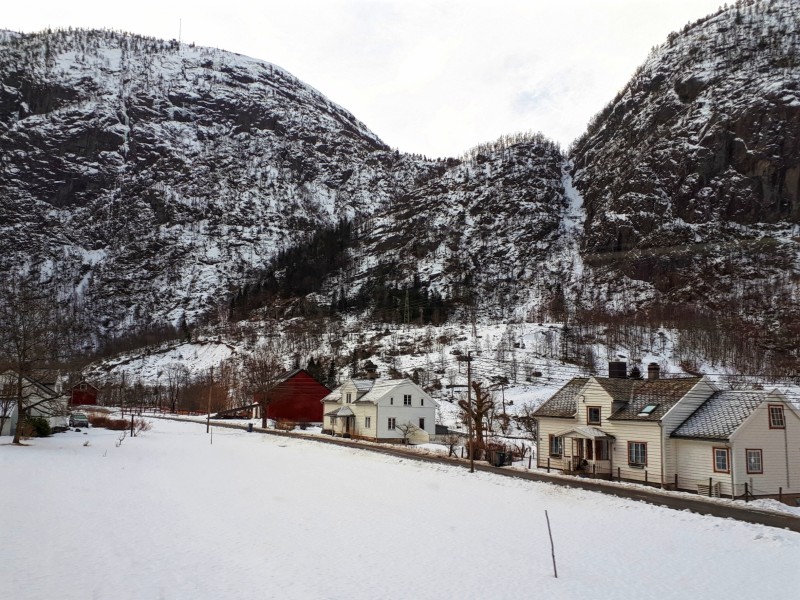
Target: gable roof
[
  {"x": 382, "y": 387},
  {"x": 562, "y": 403},
  {"x": 639, "y": 393},
  {"x": 43, "y": 390},
  {"x": 721, "y": 415}
]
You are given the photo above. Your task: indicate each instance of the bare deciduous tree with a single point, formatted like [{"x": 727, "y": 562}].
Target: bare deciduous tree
[
  {"x": 478, "y": 411},
  {"x": 262, "y": 371},
  {"x": 29, "y": 334},
  {"x": 407, "y": 430}
]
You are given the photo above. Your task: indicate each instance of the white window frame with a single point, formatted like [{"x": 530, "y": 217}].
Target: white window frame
[
  {"x": 406, "y": 399},
  {"x": 422, "y": 423},
  {"x": 367, "y": 422},
  {"x": 391, "y": 424},
  {"x": 349, "y": 398}
]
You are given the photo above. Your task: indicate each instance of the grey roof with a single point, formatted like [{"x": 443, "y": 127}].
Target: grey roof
[
  {"x": 363, "y": 385},
  {"x": 334, "y": 396},
  {"x": 562, "y": 403},
  {"x": 585, "y": 432},
  {"x": 638, "y": 393},
  {"x": 342, "y": 411},
  {"x": 722, "y": 414}
]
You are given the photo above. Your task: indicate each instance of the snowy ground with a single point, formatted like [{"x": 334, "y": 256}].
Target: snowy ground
[{"x": 169, "y": 515}]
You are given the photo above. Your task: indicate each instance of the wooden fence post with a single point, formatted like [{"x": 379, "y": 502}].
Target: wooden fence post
[
  {"x": 548, "y": 464},
  {"x": 619, "y": 474},
  {"x": 709, "y": 487}
]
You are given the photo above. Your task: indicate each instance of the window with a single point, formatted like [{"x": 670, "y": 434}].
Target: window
[
  {"x": 406, "y": 399},
  {"x": 755, "y": 462},
  {"x": 392, "y": 423},
  {"x": 422, "y": 423},
  {"x": 556, "y": 446},
  {"x": 647, "y": 410},
  {"x": 391, "y": 401},
  {"x": 601, "y": 449},
  {"x": 422, "y": 401},
  {"x": 721, "y": 460},
  {"x": 776, "y": 418},
  {"x": 349, "y": 397},
  {"x": 637, "y": 454},
  {"x": 593, "y": 415},
  {"x": 367, "y": 422}
]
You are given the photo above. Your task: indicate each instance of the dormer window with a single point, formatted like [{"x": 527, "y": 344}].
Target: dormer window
[
  {"x": 593, "y": 415},
  {"x": 349, "y": 397}
]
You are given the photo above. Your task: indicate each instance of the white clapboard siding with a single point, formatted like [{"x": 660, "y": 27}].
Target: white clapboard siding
[{"x": 677, "y": 415}]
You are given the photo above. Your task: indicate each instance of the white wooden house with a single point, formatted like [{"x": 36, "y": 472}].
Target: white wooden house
[
  {"x": 381, "y": 410},
  {"x": 740, "y": 441},
  {"x": 617, "y": 427},
  {"x": 39, "y": 399}
]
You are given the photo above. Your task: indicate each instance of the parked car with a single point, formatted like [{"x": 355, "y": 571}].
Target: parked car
[{"x": 78, "y": 419}]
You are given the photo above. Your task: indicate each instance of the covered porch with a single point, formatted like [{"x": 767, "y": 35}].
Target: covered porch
[
  {"x": 343, "y": 421},
  {"x": 587, "y": 451}
]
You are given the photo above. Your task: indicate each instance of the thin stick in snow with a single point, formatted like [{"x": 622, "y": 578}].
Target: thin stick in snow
[{"x": 552, "y": 547}]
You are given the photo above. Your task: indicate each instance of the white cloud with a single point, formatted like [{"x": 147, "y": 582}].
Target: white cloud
[{"x": 435, "y": 77}]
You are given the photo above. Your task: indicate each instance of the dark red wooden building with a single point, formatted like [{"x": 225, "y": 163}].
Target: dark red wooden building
[
  {"x": 82, "y": 393},
  {"x": 296, "y": 397}
]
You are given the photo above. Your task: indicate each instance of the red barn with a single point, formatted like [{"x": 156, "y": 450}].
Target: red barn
[
  {"x": 83, "y": 392},
  {"x": 296, "y": 397}
]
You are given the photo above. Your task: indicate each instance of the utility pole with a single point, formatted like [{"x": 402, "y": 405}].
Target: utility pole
[
  {"x": 210, "y": 386},
  {"x": 469, "y": 403}
]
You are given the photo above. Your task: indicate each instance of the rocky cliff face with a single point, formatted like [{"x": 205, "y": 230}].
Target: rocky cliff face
[
  {"x": 151, "y": 179},
  {"x": 152, "y": 176},
  {"x": 690, "y": 176}
]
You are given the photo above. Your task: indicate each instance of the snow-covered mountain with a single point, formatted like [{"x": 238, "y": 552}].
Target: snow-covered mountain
[
  {"x": 153, "y": 175},
  {"x": 157, "y": 179},
  {"x": 691, "y": 175}
]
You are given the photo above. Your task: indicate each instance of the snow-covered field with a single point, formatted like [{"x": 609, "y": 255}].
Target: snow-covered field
[{"x": 170, "y": 515}]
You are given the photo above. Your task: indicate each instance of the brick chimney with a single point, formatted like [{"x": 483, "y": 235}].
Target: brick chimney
[{"x": 653, "y": 371}]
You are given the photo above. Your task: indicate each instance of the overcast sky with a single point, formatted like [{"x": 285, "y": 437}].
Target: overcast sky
[{"x": 434, "y": 77}]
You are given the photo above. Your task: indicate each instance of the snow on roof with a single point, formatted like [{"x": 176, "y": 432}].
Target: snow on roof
[
  {"x": 343, "y": 411},
  {"x": 381, "y": 388},
  {"x": 562, "y": 403},
  {"x": 334, "y": 396},
  {"x": 721, "y": 415},
  {"x": 363, "y": 385},
  {"x": 584, "y": 431}
]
